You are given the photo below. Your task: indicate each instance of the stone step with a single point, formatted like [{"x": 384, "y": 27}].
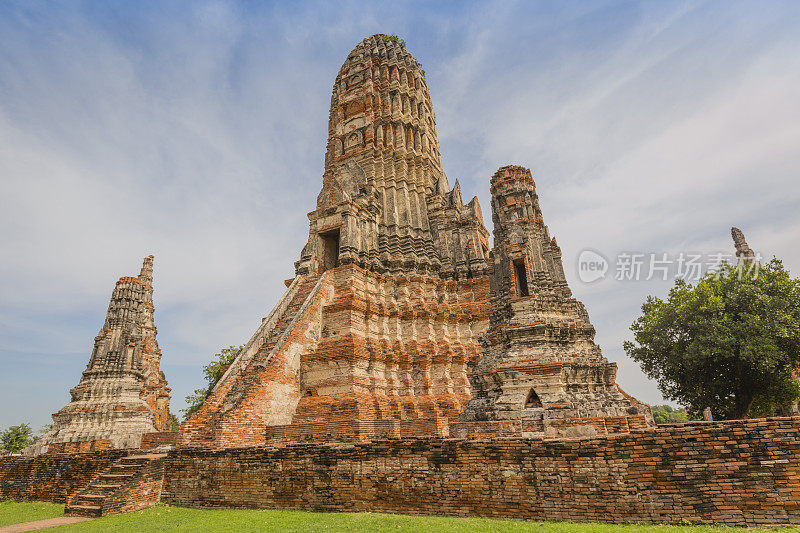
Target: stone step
[
  {"x": 127, "y": 467},
  {"x": 116, "y": 476},
  {"x": 105, "y": 486},
  {"x": 89, "y": 501},
  {"x": 91, "y": 496},
  {"x": 145, "y": 456},
  {"x": 83, "y": 510}
]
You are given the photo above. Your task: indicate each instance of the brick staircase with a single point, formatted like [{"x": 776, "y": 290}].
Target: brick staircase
[
  {"x": 132, "y": 483},
  {"x": 288, "y": 315},
  {"x": 204, "y": 427}
]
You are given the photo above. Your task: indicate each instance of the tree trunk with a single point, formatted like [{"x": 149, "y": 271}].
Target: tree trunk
[{"x": 744, "y": 401}]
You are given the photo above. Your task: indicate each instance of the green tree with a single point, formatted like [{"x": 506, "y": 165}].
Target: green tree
[
  {"x": 731, "y": 343},
  {"x": 15, "y": 438},
  {"x": 176, "y": 423},
  {"x": 212, "y": 372},
  {"x": 666, "y": 414}
]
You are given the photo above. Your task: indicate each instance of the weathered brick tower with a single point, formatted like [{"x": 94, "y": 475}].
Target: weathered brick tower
[
  {"x": 541, "y": 372},
  {"x": 122, "y": 394},
  {"x": 379, "y": 332}
]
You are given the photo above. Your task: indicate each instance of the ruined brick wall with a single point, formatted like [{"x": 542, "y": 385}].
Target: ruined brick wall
[
  {"x": 741, "y": 472},
  {"x": 51, "y": 477},
  {"x": 159, "y": 438}
]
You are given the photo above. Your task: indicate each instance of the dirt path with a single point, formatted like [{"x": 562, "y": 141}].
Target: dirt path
[{"x": 42, "y": 524}]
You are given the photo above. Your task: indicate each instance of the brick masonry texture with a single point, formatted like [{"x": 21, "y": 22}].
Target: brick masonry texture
[
  {"x": 740, "y": 473},
  {"x": 407, "y": 368},
  {"x": 159, "y": 438},
  {"x": 123, "y": 393},
  {"x": 131, "y": 483},
  {"x": 401, "y": 322},
  {"x": 744, "y": 472},
  {"x": 51, "y": 477}
]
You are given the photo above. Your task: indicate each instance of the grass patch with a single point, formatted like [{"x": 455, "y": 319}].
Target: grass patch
[
  {"x": 16, "y": 512},
  {"x": 166, "y": 518}
]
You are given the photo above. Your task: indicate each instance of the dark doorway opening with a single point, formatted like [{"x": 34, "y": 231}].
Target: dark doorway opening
[
  {"x": 532, "y": 401},
  {"x": 522, "y": 277},
  {"x": 330, "y": 249}
]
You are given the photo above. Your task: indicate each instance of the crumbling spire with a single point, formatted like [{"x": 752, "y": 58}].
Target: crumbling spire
[
  {"x": 441, "y": 185},
  {"x": 743, "y": 251},
  {"x": 146, "y": 274},
  {"x": 122, "y": 394},
  {"x": 541, "y": 372}
]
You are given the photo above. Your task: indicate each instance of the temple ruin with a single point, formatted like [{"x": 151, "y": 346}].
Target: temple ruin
[
  {"x": 401, "y": 321},
  {"x": 743, "y": 251},
  {"x": 403, "y": 353},
  {"x": 122, "y": 394}
]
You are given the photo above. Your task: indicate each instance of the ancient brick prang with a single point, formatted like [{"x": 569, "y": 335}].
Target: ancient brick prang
[
  {"x": 541, "y": 372},
  {"x": 385, "y": 204},
  {"x": 122, "y": 394},
  {"x": 743, "y": 251},
  {"x": 379, "y": 333}
]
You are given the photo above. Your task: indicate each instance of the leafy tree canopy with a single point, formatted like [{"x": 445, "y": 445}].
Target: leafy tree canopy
[
  {"x": 666, "y": 414},
  {"x": 731, "y": 343},
  {"x": 212, "y": 372},
  {"x": 15, "y": 438}
]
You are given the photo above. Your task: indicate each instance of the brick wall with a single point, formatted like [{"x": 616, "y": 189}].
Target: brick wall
[
  {"x": 741, "y": 472},
  {"x": 159, "y": 438},
  {"x": 51, "y": 477},
  {"x": 77, "y": 447}
]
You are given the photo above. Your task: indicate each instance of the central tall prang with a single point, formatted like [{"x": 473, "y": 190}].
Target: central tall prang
[
  {"x": 382, "y": 329},
  {"x": 385, "y": 203}
]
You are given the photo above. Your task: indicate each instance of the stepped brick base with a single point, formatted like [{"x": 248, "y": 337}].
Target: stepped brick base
[{"x": 132, "y": 483}]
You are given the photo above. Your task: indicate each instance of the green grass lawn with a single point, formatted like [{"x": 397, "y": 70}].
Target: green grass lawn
[
  {"x": 165, "y": 518},
  {"x": 15, "y": 512}
]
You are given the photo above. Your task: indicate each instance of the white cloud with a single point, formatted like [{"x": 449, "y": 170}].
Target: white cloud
[{"x": 197, "y": 133}]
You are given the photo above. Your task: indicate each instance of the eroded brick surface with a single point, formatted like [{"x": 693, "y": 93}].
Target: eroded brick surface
[
  {"x": 51, "y": 477},
  {"x": 740, "y": 473},
  {"x": 131, "y": 483},
  {"x": 541, "y": 372},
  {"x": 396, "y": 345},
  {"x": 123, "y": 393}
]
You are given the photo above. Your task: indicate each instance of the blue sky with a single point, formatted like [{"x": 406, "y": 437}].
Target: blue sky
[{"x": 196, "y": 131}]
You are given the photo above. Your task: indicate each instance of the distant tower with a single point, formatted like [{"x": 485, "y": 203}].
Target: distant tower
[
  {"x": 743, "y": 251},
  {"x": 122, "y": 394},
  {"x": 541, "y": 372}
]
